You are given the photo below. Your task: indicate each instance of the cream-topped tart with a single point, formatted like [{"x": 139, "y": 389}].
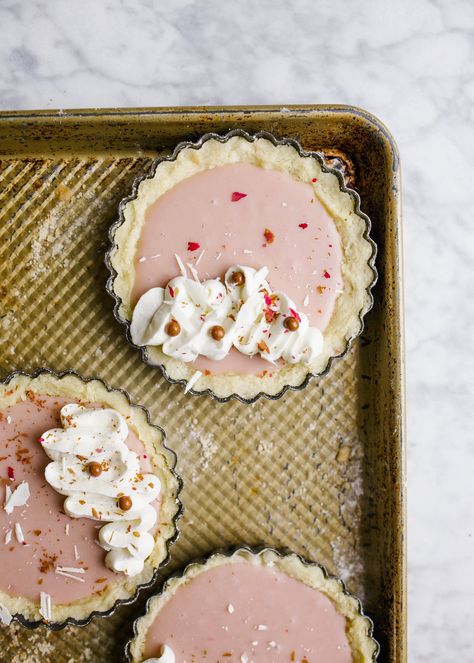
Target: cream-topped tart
[
  {"x": 260, "y": 608},
  {"x": 88, "y": 499},
  {"x": 242, "y": 266}
]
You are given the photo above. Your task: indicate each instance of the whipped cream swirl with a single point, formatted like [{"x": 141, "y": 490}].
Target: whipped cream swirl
[
  {"x": 98, "y": 436},
  {"x": 252, "y": 317},
  {"x": 166, "y": 656}
]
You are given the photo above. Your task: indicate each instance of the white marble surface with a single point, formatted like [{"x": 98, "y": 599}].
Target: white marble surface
[{"x": 410, "y": 62}]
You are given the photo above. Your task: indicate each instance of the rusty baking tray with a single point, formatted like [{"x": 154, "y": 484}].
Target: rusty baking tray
[{"x": 320, "y": 471}]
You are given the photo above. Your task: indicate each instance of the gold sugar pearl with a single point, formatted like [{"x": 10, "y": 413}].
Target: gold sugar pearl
[
  {"x": 291, "y": 323},
  {"x": 125, "y": 503},
  {"x": 173, "y": 328},
  {"x": 95, "y": 469},
  {"x": 238, "y": 278},
  {"x": 217, "y": 332}
]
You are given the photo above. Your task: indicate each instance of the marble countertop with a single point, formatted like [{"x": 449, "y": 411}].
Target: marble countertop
[{"x": 411, "y": 63}]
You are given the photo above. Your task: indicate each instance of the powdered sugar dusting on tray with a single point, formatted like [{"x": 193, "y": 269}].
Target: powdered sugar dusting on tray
[{"x": 42, "y": 645}]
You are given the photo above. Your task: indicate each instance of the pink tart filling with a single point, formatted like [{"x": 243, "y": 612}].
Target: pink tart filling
[
  {"x": 240, "y": 612},
  {"x": 243, "y": 214},
  {"x": 51, "y": 538}
]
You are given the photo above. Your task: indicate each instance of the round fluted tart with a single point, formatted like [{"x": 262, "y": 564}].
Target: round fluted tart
[
  {"x": 241, "y": 266},
  {"x": 245, "y": 607},
  {"x": 88, "y": 496}
]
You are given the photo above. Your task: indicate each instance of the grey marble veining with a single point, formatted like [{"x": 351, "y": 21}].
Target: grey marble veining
[{"x": 411, "y": 63}]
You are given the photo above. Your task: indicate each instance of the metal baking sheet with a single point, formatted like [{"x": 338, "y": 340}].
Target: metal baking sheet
[{"x": 319, "y": 471}]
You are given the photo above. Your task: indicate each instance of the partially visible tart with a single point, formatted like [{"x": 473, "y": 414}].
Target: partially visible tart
[
  {"x": 242, "y": 265},
  {"x": 88, "y": 496},
  {"x": 253, "y": 607}
]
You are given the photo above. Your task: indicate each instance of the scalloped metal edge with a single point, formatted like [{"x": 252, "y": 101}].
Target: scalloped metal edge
[
  {"x": 71, "y": 621},
  {"x": 196, "y": 145},
  {"x": 254, "y": 550}
]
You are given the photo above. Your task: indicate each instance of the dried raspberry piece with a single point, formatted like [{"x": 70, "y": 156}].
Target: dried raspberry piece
[
  {"x": 295, "y": 314},
  {"x": 269, "y": 236},
  {"x": 270, "y": 315}
]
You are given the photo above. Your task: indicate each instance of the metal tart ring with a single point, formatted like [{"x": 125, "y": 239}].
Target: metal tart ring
[
  {"x": 253, "y": 550},
  {"x": 196, "y": 146},
  {"x": 57, "y": 626}
]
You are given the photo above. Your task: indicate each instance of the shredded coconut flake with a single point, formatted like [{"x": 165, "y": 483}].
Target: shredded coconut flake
[
  {"x": 230, "y": 608},
  {"x": 201, "y": 255},
  {"x": 19, "y": 533},
  {"x": 19, "y": 497},
  {"x": 193, "y": 272},
  {"x": 5, "y": 615},
  {"x": 219, "y": 256},
  {"x": 192, "y": 381},
  {"x": 76, "y": 554},
  {"x": 262, "y": 627},
  {"x": 69, "y": 575},
  {"x": 45, "y": 606},
  {"x": 9, "y": 419},
  {"x": 8, "y": 537},
  {"x": 181, "y": 266},
  {"x": 66, "y": 529},
  {"x": 70, "y": 569},
  {"x": 142, "y": 259},
  {"x": 306, "y": 301}
]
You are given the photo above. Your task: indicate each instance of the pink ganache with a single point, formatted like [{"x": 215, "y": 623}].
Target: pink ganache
[
  {"x": 279, "y": 223},
  {"x": 242, "y": 612},
  {"x": 51, "y": 538}
]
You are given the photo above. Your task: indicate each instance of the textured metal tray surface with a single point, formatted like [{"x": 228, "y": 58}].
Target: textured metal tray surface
[{"x": 320, "y": 471}]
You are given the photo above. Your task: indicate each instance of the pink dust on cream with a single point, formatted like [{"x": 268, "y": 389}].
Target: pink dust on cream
[{"x": 243, "y": 214}]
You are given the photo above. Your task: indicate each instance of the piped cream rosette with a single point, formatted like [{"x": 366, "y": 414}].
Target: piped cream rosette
[
  {"x": 118, "y": 494},
  {"x": 188, "y": 318}
]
